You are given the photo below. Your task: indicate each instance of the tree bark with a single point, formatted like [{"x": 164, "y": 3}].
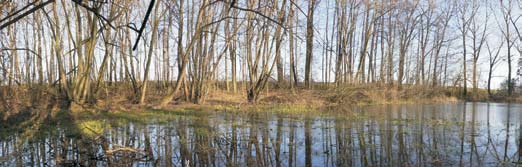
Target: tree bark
[{"x": 309, "y": 43}]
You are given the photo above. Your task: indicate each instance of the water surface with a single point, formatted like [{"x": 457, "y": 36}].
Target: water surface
[{"x": 461, "y": 134}]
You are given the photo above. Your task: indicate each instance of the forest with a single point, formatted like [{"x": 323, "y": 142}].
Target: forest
[
  {"x": 260, "y": 82},
  {"x": 82, "y": 52}
]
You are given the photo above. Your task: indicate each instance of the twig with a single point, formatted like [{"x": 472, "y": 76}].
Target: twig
[
  {"x": 24, "y": 14},
  {"x": 143, "y": 24}
]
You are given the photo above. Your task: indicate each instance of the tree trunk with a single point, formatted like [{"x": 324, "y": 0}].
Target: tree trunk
[
  {"x": 309, "y": 42},
  {"x": 153, "y": 39}
]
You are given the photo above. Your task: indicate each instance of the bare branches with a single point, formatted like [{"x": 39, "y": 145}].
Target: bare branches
[
  {"x": 20, "y": 10},
  {"x": 94, "y": 11},
  {"x": 233, "y": 4},
  {"x": 514, "y": 22},
  {"x": 30, "y": 11},
  {"x": 42, "y": 5},
  {"x": 22, "y": 49}
]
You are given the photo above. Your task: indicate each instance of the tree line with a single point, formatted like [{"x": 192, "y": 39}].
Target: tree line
[{"x": 81, "y": 51}]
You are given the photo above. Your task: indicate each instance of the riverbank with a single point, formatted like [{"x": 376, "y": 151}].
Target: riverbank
[
  {"x": 302, "y": 100},
  {"x": 283, "y": 100}
]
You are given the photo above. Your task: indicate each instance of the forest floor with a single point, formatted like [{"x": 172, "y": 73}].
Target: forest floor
[{"x": 302, "y": 100}]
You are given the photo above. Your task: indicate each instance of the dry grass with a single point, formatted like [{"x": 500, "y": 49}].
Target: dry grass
[
  {"x": 119, "y": 99},
  {"x": 374, "y": 95},
  {"x": 278, "y": 99}
]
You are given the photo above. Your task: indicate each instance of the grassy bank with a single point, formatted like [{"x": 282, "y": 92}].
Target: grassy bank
[
  {"x": 283, "y": 100},
  {"x": 274, "y": 100},
  {"x": 302, "y": 100},
  {"x": 299, "y": 100}
]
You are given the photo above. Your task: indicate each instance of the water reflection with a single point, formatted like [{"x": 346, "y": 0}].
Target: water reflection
[{"x": 466, "y": 134}]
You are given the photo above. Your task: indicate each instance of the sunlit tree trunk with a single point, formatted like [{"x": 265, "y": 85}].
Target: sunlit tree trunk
[
  {"x": 279, "y": 40},
  {"x": 290, "y": 22},
  {"x": 153, "y": 39},
  {"x": 365, "y": 39}
]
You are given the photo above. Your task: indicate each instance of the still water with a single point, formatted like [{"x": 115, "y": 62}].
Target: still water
[{"x": 460, "y": 134}]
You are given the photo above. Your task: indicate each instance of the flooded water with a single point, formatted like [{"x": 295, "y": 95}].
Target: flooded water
[{"x": 462, "y": 134}]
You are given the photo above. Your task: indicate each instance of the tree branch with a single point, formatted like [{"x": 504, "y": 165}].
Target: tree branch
[
  {"x": 143, "y": 24},
  {"x": 32, "y": 10},
  {"x": 18, "y": 11},
  {"x": 233, "y": 5},
  {"x": 94, "y": 10}
]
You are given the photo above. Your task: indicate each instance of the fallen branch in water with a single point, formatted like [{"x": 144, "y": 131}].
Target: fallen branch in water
[{"x": 124, "y": 149}]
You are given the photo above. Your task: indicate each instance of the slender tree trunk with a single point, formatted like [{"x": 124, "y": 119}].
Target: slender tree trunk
[
  {"x": 309, "y": 42},
  {"x": 279, "y": 40},
  {"x": 153, "y": 39},
  {"x": 291, "y": 47}
]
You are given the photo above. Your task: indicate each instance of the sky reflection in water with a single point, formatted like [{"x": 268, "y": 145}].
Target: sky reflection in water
[{"x": 462, "y": 134}]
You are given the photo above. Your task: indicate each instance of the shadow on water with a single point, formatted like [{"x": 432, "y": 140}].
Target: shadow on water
[{"x": 463, "y": 134}]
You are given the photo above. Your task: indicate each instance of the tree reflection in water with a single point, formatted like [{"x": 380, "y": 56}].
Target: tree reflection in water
[{"x": 463, "y": 134}]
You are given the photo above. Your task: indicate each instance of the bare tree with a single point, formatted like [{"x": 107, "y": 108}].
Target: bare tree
[
  {"x": 407, "y": 23},
  {"x": 493, "y": 54},
  {"x": 442, "y": 24},
  {"x": 466, "y": 15},
  {"x": 506, "y": 9},
  {"x": 478, "y": 37}
]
